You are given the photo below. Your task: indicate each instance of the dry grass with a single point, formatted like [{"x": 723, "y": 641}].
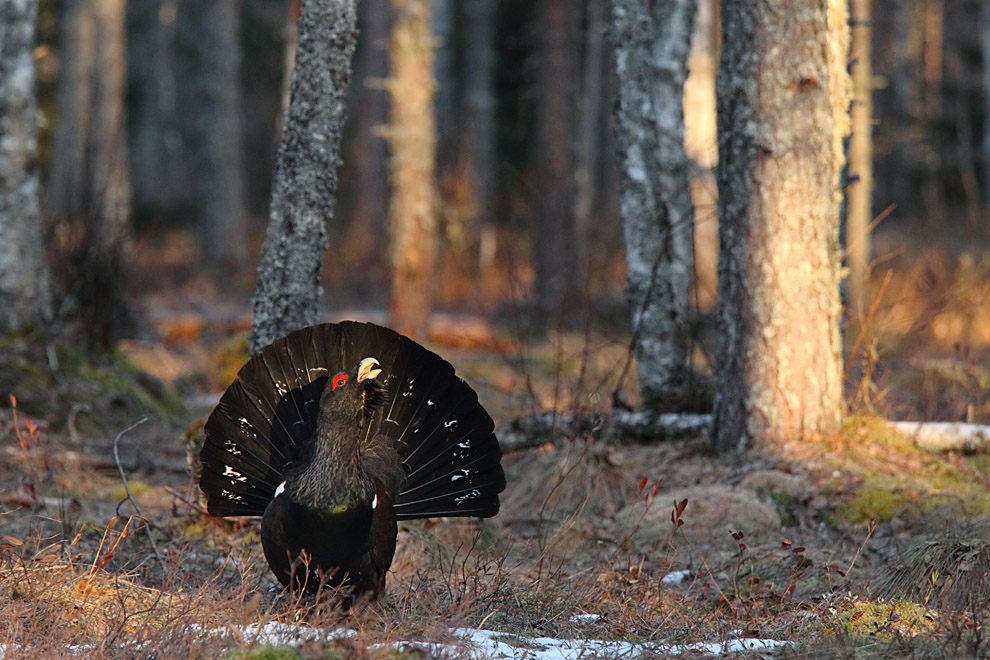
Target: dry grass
[{"x": 580, "y": 532}]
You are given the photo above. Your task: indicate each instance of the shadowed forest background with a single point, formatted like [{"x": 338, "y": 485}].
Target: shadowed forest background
[
  {"x": 153, "y": 212},
  {"x": 192, "y": 252}
]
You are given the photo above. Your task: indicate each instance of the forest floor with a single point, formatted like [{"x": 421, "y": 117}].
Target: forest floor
[{"x": 860, "y": 545}]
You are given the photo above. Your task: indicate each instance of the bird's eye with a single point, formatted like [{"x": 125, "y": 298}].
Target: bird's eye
[{"x": 338, "y": 380}]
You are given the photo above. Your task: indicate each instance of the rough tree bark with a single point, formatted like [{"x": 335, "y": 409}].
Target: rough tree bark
[
  {"x": 209, "y": 34},
  {"x": 651, "y": 49},
  {"x": 288, "y": 292},
  {"x": 88, "y": 187},
  {"x": 412, "y": 137},
  {"x": 25, "y": 290},
  {"x": 778, "y": 375},
  {"x": 860, "y": 188}
]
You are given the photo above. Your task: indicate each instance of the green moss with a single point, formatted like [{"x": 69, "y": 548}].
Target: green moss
[
  {"x": 265, "y": 653},
  {"x": 61, "y": 382},
  {"x": 884, "y": 620}
]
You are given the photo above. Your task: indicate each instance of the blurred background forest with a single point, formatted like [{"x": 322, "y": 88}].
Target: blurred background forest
[{"x": 525, "y": 151}]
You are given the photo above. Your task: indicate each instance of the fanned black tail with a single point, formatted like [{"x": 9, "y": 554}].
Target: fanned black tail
[{"x": 445, "y": 437}]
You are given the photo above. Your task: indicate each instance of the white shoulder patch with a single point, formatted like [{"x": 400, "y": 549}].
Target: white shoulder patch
[
  {"x": 374, "y": 502},
  {"x": 279, "y": 490}
]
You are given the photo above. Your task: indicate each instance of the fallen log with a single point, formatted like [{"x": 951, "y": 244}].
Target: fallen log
[
  {"x": 630, "y": 427},
  {"x": 947, "y": 436}
]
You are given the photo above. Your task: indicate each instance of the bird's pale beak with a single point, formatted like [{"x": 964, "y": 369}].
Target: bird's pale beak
[{"x": 368, "y": 368}]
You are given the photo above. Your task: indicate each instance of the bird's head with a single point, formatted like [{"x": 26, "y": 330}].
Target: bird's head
[{"x": 356, "y": 393}]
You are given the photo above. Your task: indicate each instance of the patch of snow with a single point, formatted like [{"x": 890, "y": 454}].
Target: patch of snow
[
  {"x": 676, "y": 577},
  {"x": 586, "y": 618},
  {"x": 490, "y": 645}
]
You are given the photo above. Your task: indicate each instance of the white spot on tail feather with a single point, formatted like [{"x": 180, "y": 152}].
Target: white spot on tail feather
[{"x": 234, "y": 474}]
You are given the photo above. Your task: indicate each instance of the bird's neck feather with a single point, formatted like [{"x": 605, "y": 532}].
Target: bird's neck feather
[{"x": 334, "y": 478}]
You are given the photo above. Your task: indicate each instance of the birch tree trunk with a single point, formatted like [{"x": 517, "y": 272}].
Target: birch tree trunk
[
  {"x": 860, "y": 188},
  {"x": 412, "y": 136},
  {"x": 651, "y": 49},
  {"x": 210, "y": 33},
  {"x": 778, "y": 375},
  {"x": 25, "y": 290},
  {"x": 288, "y": 292}
]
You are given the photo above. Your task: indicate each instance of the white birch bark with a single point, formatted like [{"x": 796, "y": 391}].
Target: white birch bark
[
  {"x": 651, "y": 42},
  {"x": 25, "y": 290}
]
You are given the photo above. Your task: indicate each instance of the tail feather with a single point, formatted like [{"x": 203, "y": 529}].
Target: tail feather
[{"x": 444, "y": 436}]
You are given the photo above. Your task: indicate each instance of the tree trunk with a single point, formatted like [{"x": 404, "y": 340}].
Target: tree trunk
[
  {"x": 160, "y": 178},
  {"x": 288, "y": 292},
  {"x": 478, "y": 122},
  {"x": 364, "y": 188},
  {"x": 554, "y": 240},
  {"x": 651, "y": 50},
  {"x": 88, "y": 189},
  {"x": 412, "y": 137},
  {"x": 860, "y": 188},
  {"x": 778, "y": 375},
  {"x": 588, "y": 152},
  {"x": 25, "y": 290},
  {"x": 985, "y": 55},
  {"x": 701, "y": 147},
  {"x": 211, "y": 43}
]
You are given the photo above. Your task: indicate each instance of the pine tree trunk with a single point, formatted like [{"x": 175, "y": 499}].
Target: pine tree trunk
[
  {"x": 412, "y": 136},
  {"x": 212, "y": 103},
  {"x": 860, "y": 189},
  {"x": 25, "y": 290},
  {"x": 288, "y": 292},
  {"x": 778, "y": 375},
  {"x": 651, "y": 50}
]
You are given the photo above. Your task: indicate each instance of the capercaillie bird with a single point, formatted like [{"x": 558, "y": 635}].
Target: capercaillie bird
[{"x": 333, "y": 434}]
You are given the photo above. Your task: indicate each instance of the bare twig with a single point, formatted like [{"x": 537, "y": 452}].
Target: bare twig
[{"x": 127, "y": 488}]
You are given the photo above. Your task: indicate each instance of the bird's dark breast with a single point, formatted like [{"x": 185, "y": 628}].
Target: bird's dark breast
[
  {"x": 355, "y": 545},
  {"x": 333, "y": 541}
]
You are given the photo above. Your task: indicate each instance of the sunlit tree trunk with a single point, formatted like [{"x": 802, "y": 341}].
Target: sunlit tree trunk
[
  {"x": 778, "y": 376},
  {"x": 288, "y": 293},
  {"x": 651, "y": 49},
  {"x": 209, "y": 38},
  {"x": 860, "y": 187},
  {"x": 412, "y": 137},
  {"x": 88, "y": 188},
  {"x": 701, "y": 146},
  {"x": 25, "y": 290}
]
